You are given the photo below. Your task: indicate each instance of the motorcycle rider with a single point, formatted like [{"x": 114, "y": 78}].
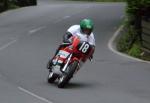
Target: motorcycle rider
[{"x": 84, "y": 31}]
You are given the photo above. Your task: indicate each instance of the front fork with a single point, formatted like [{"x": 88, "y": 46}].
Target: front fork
[{"x": 66, "y": 65}]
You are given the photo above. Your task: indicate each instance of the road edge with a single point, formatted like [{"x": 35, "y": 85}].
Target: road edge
[{"x": 112, "y": 46}]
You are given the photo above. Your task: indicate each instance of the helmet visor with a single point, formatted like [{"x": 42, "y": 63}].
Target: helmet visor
[{"x": 87, "y": 31}]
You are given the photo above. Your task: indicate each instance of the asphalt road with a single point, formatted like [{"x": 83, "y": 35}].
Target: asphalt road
[{"x": 29, "y": 37}]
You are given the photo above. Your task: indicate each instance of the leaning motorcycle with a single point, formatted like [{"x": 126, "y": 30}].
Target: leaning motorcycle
[{"x": 67, "y": 61}]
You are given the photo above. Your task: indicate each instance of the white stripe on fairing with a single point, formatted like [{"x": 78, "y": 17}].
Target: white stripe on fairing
[{"x": 63, "y": 54}]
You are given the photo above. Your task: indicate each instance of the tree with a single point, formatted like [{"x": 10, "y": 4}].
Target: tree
[
  {"x": 5, "y": 4},
  {"x": 136, "y": 9},
  {"x": 26, "y": 2}
]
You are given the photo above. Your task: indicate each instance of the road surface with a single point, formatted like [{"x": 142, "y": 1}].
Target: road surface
[{"x": 29, "y": 37}]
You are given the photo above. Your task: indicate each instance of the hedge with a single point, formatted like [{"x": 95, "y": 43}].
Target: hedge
[
  {"x": 11, "y": 4},
  {"x": 131, "y": 39}
]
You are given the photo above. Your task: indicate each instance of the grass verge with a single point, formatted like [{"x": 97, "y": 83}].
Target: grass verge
[
  {"x": 125, "y": 45},
  {"x": 13, "y": 6},
  {"x": 101, "y": 0}
]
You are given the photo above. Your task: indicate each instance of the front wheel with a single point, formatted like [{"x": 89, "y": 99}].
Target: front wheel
[
  {"x": 51, "y": 77},
  {"x": 64, "y": 79}
]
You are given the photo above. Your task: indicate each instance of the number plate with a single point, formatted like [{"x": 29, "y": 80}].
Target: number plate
[
  {"x": 84, "y": 47},
  {"x": 63, "y": 54}
]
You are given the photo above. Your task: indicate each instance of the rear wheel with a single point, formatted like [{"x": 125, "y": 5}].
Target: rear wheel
[
  {"x": 64, "y": 79},
  {"x": 51, "y": 77}
]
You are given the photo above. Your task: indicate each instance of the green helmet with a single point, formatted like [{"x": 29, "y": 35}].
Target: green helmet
[{"x": 86, "y": 24}]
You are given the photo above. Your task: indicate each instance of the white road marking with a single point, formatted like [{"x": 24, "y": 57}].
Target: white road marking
[
  {"x": 63, "y": 18},
  {"x": 15, "y": 39},
  {"x": 34, "y": 95},
  {"x": 36, "y": 30},
  {"x": 113, "y": 49},
  {"x": 7, "y": 45}
]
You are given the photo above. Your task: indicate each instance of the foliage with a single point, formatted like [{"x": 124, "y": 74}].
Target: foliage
[
  {"x": 13, "y": 4},
  {"x": 134, "y": 6},
  {"x": 135, "y": 51},
  {"x": 102, "y": 0},
  {"x": 110, "y": 0},
  {"x": 130, "y": 41},
  {"x": 128, "y": 37},
  {"x": 122, "y": 44}
]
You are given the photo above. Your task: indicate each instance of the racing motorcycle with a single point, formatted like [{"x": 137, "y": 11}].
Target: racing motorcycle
[{"x": 67, "y": 61}]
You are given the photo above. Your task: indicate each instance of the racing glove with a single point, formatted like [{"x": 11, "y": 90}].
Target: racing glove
[
  {"x": 91, "y": 53},
  {"x": 66, "y": 37},
  {"x": 91, "y": 58}
]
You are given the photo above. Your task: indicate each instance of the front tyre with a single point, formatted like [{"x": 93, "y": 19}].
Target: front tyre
[{"x": 64, "y": 79}]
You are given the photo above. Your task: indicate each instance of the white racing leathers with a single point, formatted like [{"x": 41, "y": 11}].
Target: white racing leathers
[{"x": 75, "y": 30}]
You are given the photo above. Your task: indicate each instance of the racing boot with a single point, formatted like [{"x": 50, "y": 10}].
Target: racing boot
[{"x": 50, "y": 63}]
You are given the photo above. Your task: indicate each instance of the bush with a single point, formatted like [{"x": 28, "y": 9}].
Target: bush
[
  {"x": 128, "y": 37},
  {"x": 123, "y": 43},
  {"x": 12, "y": 6},
  {"x": 130, "y": 42},
  {"x": 26, "y": 2},
  {"x": 3, "y": 5},
  {"x": 102, "y": 0},
  {"x": 135, "y": 8},
  {"x": 135, "y": 51}
]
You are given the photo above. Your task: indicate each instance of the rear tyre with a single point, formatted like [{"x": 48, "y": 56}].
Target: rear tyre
[
  {"x": 51, "y": 77},
  {"x": 66, "y": 77}
]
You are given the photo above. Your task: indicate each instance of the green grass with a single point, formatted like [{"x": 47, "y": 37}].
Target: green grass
[
  {"x": 10, "y": 6},
  {"x": 123, "y": 43},
  {"x": 13, "y": 6},
  {"x": 102, "y": 0},
  {"x": 110, "y": 0},
  {"x": 135, "y": 51}
]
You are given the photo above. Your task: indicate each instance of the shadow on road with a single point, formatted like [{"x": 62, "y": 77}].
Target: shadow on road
[
  {"x": 73, "y": 85},
  {"x": 78, "y": 85}
]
